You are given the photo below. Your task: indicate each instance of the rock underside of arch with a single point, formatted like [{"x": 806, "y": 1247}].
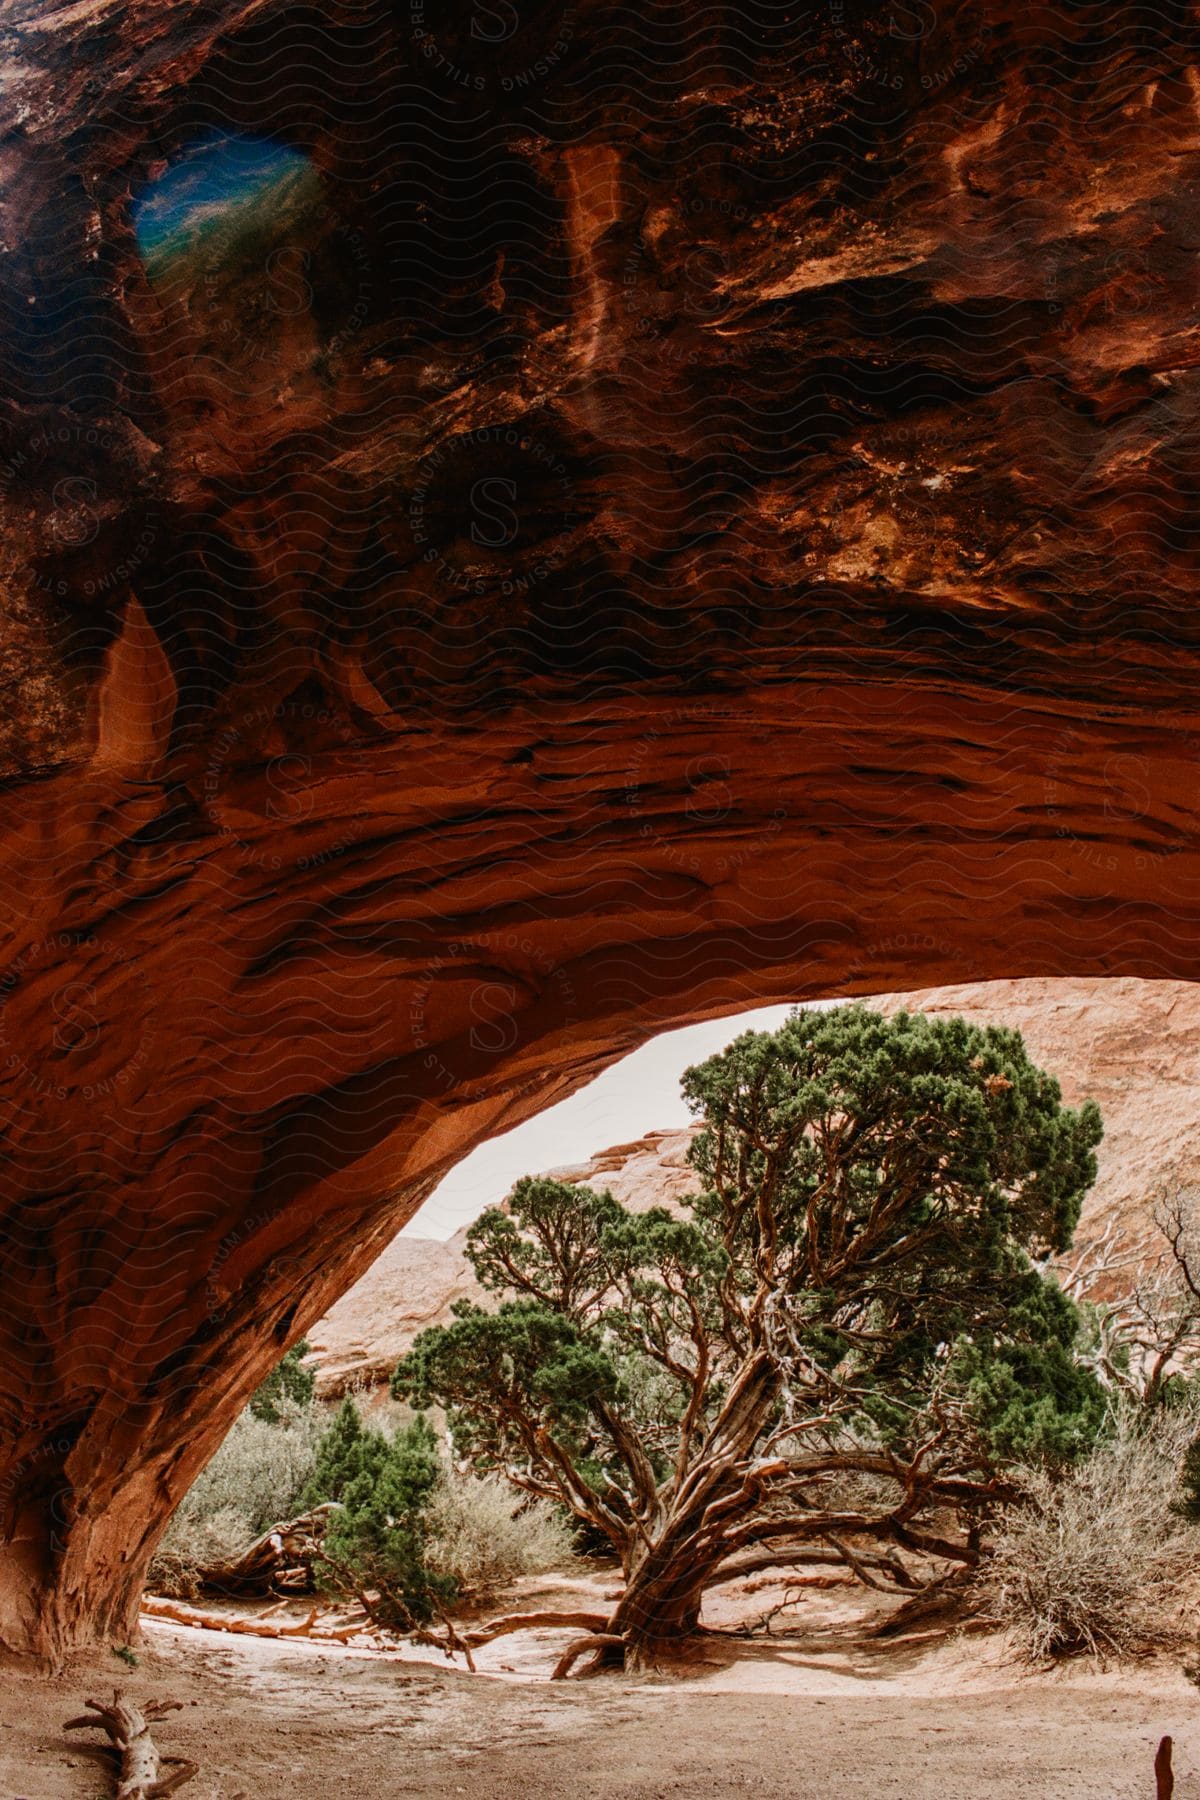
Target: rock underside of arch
[{"x": 839, "y": 635}]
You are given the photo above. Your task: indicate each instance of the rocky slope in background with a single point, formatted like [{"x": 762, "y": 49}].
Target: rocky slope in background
[
  {"x": 1133, "y": 1046},
  {"x": 417, "y": 1280},
  {"x": 507, "y": 547}
]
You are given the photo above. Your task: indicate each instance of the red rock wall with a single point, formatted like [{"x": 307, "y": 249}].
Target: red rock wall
[{"x": 679, "y": 507}]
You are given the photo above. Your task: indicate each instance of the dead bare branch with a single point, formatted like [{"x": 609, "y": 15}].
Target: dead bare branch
[
  {"x": 536, "y": 1621},
  {"x": 142, "y": 1766}
]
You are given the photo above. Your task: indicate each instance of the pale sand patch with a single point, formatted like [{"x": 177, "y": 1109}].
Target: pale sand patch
[{"x": 826, "y": 1714}]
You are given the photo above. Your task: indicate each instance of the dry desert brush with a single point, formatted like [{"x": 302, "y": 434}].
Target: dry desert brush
[
  {"x": 482, "y": 1535},
  {"x": 254, "y": 1480},
  {"x": 1092, "y": 1557}
]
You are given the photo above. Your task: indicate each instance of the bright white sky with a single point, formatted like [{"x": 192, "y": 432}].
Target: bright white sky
[{"x": 635, "y": 1096}]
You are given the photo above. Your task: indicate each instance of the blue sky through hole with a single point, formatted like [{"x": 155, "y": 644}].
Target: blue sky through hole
[{"x": 218, "y": 171}]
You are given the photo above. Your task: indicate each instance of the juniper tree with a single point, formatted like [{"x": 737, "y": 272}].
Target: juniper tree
[
  {"x": 831, "y": 1355},
  {"x": 376, "y": 1541}
]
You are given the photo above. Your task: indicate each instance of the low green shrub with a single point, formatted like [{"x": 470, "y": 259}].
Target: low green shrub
[{"x": 376, "y": 1544}]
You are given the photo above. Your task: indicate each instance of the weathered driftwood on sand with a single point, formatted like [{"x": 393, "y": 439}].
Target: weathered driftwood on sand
[
  {"x": 153, "y": 1607},
  {"x": 142, "y": 1766}
]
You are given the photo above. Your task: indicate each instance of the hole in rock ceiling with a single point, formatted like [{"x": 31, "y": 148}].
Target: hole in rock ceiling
[{"x": 217, "y": 194}]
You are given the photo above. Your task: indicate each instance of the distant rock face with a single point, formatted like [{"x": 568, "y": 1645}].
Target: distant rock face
[
  {"x": 414, "y": 1284},
  {"x": 1132, "y": 1046},
  {"x": 652, "y": 1171},
  {"x": 417, "y": 1280}
]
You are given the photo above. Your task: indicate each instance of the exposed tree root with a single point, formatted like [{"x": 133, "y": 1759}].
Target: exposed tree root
[
  {"x": 128, "y": 1726},
  {"x": 453, "y": 1644},
  {"x": 942, "y": 1602},
  {"x": 784, "y": 1557},
  {"x": 821, "y": 1583},
  {"x": 597, "y": 1640},
  {"x": 535, "y": 1621}
]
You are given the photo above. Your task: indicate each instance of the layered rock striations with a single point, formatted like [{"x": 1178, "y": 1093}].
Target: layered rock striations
[{"x": 515, "y": 534}]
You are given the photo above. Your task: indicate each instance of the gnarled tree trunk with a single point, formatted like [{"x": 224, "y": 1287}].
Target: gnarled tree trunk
[
  {"x": 659, "y": 1611},
  {"x": 671, "y": 1563}
]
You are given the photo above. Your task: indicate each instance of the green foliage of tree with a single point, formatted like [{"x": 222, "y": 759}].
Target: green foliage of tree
[
  {"x": 851, "y": 1300},
  {"x": 288, "y": 1382},
  {"x": 376, "y": 1542},
  {"x": 347, "y": 1449}
]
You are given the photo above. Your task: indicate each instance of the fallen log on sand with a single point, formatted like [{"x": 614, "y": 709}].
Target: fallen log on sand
[
  {"x": 155, "y": 1608},
  {"x": 280, "y": 1561},
  {"x": 142, "y": 1766}
]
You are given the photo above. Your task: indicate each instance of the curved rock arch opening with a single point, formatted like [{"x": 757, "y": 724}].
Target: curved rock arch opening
[
  {"x": 209, "y": 1150},
  {"x": 819, "y": 681}
]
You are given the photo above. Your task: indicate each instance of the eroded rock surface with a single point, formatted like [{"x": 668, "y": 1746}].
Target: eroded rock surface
[
  {"x": 412, "y": 1285},
  {"x": 668, "y": 509}
]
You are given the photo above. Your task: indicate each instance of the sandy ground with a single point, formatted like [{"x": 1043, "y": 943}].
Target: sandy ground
[{"x": 823, "y": 1713}]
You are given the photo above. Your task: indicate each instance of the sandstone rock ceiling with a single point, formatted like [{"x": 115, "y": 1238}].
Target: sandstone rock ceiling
[{"x": 520, "y": 525}]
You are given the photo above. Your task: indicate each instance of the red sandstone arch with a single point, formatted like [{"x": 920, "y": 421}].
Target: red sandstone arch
[{"x": 862, "y": 655}]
